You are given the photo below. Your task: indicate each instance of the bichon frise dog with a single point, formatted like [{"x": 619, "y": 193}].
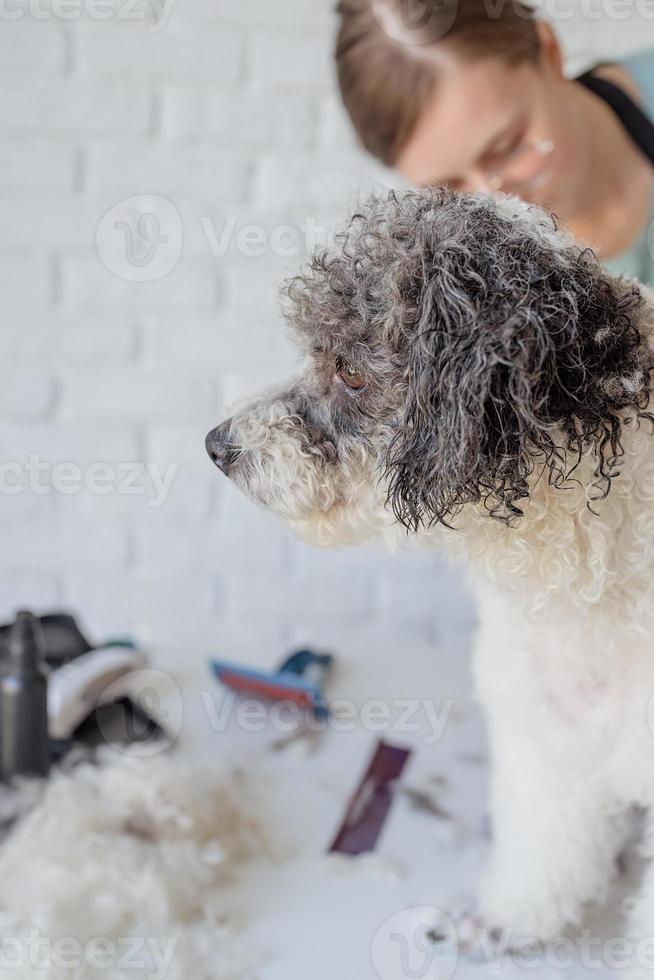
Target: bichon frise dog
[{"x": 477, "y": 381}]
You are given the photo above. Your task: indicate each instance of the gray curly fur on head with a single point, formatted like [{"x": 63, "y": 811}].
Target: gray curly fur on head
[
  {"x": 513, "y": 349},
  {"x": 488, "y": 351}
]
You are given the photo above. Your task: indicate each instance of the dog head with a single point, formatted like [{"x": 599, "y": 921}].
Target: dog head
[{"x": 457, "y": 348}]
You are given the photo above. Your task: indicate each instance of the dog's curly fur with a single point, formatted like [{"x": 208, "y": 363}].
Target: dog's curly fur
[
  {"x": 476, "y": 380},
  {"x": 518, "y": 355}
]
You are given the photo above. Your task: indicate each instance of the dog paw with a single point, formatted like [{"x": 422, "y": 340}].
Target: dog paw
[
  {"x": 523, "y": 913},
  {"x": 479, "y": 940}
]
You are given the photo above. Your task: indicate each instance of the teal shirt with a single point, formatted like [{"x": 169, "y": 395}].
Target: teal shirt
[{"x": 638, "y": 261}]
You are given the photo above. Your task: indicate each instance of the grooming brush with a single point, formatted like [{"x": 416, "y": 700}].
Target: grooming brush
[{"x": 299, "y": 679}]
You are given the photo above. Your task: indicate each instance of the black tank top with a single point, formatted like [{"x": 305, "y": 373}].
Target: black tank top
[{"x": 639, "y": 126}]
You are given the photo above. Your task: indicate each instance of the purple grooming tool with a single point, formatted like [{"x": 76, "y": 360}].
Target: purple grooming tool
[{"x": 369, "y": 806}]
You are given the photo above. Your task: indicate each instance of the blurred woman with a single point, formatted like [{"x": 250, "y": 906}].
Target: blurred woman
[{"x": 473, "y": 94}]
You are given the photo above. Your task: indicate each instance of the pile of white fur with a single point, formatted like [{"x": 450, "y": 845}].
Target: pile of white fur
[{"x": 123, "y": 870}]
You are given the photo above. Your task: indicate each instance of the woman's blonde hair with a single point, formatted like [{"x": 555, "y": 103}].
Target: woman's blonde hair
[{"x": 385, "y": 72}]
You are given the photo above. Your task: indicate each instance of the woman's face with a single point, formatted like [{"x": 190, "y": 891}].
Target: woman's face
[{"x": 495, "y": 126}]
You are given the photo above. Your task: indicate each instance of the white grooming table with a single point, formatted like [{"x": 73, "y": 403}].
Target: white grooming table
[{"x": 310, "y": 915}]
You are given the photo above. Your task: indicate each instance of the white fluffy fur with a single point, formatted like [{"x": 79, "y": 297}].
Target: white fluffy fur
[
  {"x": 564, "y": 669},
  {"x": 129, "y": 848},
  {"x": 564, "y": 665}
]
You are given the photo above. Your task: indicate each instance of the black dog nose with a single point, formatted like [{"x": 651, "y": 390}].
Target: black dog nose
[{"x": 221, "y": 450}]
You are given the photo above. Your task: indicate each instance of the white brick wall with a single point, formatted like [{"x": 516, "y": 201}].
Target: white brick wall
[{"x": 227, "y": 108}]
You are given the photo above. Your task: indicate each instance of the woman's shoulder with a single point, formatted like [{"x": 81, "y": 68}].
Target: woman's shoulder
[{"x": 634, "y": 74}]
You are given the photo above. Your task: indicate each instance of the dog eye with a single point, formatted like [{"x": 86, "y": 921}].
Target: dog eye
[{"x": 352, "y": 379}]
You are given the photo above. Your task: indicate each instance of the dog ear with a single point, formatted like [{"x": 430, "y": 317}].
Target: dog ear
[{"x": 523, "y": 354}]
